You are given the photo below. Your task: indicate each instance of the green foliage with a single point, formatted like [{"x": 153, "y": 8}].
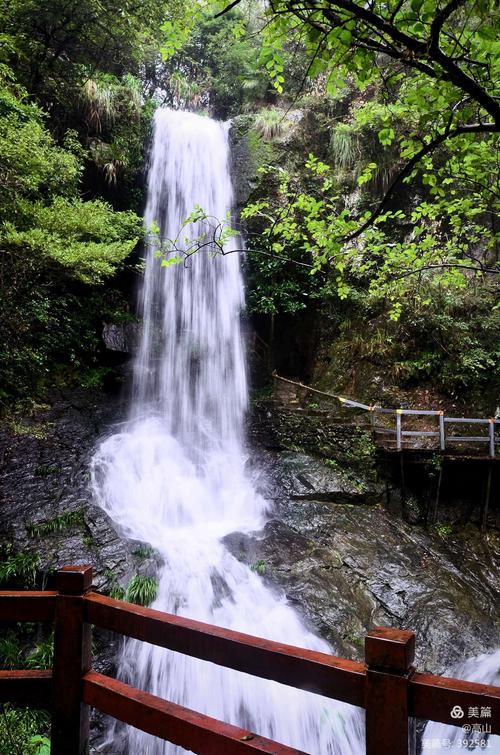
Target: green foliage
[
  {"x": 271, "y": 123},
  {"x": 312, "y": 222},
  {"x": 74, "y": 122},
  {"x": 142, "y": 590},
  {"x": 31, "y": 163},
  {"x": 21, "y": 650},
  {"x": 50, "y": 242},
  {"x": 332, "y": 463},
  {"x": 11, "y": 651},
  {"x": 20, "y": 731},
  {"x": 442, "y": 530},
  {"x": 114, "y": 588},
  {"x": 86, "y": 240},
  {"x": 40, "y": 744},
  {"x": 118, "y": 120},
  {"x": 42, "y": 655},
  {"x": 260, "y": 567},
  {"x": 56, "y": 45},
  {"x": 94, "y": 378},
  {"x": 344, "y": 145},
  {"x": 277, "y": 285},
  {"x": 444, "y": 338},
  {"x": 431, "y": 104},
  {"x": 118, "y": 592},
  {"x": 214, "y": 62},
  {"x": 45, "y": 470},
  {"x": 451, "y": 340},
  {"x": 58, "y": 523},
  {"x": 363, "y": 448},
  {"x": 436, "y": 462},
  {"x": 144, "y": 552},
  {"x": 18, "y": 568}
]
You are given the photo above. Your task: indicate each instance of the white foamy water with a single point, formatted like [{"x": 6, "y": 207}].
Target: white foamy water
[
  {"x": 484, "y": 669},
  {"x": 175, "y": 475}
]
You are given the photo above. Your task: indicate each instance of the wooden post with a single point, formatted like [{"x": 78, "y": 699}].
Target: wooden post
[
  {"x": 72, "y": 641},
  {"x": 389, "y": 655}
]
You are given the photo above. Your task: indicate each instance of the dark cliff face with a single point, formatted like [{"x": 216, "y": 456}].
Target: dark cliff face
[
  {"x": 47, "y": 509},
  {"x": 285, "y": 341},
  {"x": 344, "y": 561},
  {"x": 349, "y": 561}
]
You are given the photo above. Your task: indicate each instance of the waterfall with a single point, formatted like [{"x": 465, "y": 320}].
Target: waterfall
[
  {"x": 174, "y": 476},
  {"x": 484, "y": 669}
]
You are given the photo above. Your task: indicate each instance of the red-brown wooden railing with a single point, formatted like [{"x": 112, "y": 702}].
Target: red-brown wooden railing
[{"x": 386, "y": 685}]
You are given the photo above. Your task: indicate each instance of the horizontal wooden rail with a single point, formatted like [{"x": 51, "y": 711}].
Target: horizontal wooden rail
[
  {"x": 181, "y": 726},
  {"x": 27, "y": 606},
  {"x": 434, "y": 697},
  {"x": 32, "y": 688},
  {"x": 327, "y": 675},
  {"x": 323, "y": 674},
  {"x": 386, "y": 685}
]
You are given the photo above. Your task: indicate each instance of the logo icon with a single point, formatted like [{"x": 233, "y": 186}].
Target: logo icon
[{"x": 457, "y": 712}]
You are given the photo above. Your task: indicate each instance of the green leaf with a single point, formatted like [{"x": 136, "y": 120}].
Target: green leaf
[{"x": 386, "y": 136}]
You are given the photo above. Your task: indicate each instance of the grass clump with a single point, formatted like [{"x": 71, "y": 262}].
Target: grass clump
[
  {"x": 56, "y": 524},
  {"x": 270, "y": 124},
  {"x": 259, "y": 567},
  {"x": 23, "y": 732},
  {"x": 142, "y": 590},
  {"x": 144, "y": 552},
  {"x": 20, "y": 568}
]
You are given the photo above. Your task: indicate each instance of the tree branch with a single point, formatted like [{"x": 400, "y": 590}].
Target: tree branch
[
  {"x": 227, "y": 8},
  {"x": 448, "y": 133},
  {"x": 413, "y": 51},
  {"x": 439, "y": 22},
  {"x": 482, "y": 269}
]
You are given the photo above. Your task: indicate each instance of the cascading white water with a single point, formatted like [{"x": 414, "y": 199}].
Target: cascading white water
[
  {"x": 464, "y": 738},
  {"x": 175, "y": 475}
]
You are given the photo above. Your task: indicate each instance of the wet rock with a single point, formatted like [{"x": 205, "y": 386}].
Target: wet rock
[
  {"x": 303, "y": 477},
  {"x": 122, "y": 337},
  {"x": 345, "y": 566},
  {"x": 348, "y": 568},
  {"x": 46, "y": 506},
  {"x": 244, "y": 162}
]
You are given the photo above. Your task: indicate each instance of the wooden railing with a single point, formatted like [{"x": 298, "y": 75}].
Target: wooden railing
[
  {"x": 386, "y": 685},
  {"x": 442, "y": 435}
]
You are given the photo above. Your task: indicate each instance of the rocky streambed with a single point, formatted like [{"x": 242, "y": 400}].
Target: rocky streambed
[
  {"x": 348, "y": 564},
  {"x": 339, "y": 556}
]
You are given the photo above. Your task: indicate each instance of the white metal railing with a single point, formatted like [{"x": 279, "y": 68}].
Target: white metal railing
[{"x": 490, "y": 439}]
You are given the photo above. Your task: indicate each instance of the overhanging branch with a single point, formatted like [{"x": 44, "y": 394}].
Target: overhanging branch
[{"x": 475, "y": 128}]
